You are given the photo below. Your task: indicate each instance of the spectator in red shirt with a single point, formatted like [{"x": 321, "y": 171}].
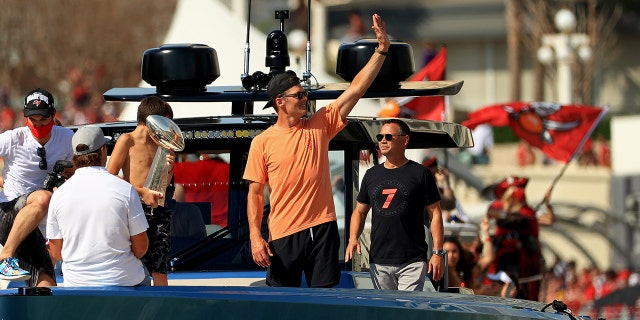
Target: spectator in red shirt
[
  {"x": 516, "y": 235},
  {"x": 604, "y": 152},
  {"x": 205, "y": 180}
]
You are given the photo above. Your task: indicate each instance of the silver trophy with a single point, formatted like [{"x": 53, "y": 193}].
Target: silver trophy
[{"x": 167, "y": 135}]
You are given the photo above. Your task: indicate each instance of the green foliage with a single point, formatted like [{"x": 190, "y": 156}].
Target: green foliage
[
  {"x": 506, "y": 135},
  {"x": 603, "y": 128}
]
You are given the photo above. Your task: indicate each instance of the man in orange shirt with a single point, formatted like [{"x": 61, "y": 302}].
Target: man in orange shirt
[{"x": 292, "y": 157}]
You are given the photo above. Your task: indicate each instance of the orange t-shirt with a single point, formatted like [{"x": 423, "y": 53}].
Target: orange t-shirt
[{"x": 295, "y": 164}]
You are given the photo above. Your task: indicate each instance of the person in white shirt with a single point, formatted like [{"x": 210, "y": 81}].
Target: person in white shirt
[
  {"x": 483, "y": 143},
  {"x": 29, "y": 155},
  {"x": 99, "y": 236}
]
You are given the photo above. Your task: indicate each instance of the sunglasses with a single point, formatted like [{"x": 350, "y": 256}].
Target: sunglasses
[
  {"x": 298, "y": 95},
  {"x": 42, "y": 153},
  {"x": 388, "y": 136}
]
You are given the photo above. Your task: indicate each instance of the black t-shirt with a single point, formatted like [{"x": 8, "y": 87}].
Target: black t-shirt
[{"x": 398, "y": 198}]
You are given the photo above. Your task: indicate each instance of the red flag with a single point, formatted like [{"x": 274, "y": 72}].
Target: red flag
[
  {"x": 558, "y": 130},
  {"x": 429, "y": 108},
  {"x": 434, "y": 70}
]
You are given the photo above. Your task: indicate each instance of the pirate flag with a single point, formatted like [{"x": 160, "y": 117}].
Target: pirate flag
[{"x": 558, "y": 130}]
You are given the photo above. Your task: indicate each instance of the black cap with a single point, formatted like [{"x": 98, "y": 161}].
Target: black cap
[
  {"x": 39, "y": 102},
  {"x": 280, "y": 83}
]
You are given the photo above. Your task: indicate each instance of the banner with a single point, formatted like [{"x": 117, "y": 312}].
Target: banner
[{"x": 559, "y": 131}]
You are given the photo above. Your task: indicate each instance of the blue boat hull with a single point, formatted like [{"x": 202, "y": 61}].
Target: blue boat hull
[
  {"x": 350, "y": 300},
  {"x": 188, "y": 302}
]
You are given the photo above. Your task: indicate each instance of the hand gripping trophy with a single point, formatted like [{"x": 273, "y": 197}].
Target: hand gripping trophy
[{"x": 167, "y": 135}]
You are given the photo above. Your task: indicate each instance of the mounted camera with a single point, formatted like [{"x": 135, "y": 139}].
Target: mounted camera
[
  {"x": 277, "y": 58},
  {"x": 255, "y": 81},
  {"x": 277, "y": 48},
  {"x": 55, "y": 178}
]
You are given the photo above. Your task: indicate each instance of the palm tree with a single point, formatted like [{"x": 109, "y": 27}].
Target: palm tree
[{"x": 513, "y": 11}]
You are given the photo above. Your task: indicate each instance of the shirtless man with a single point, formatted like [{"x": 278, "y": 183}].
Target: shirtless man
[{"x": 133, "y": 154}]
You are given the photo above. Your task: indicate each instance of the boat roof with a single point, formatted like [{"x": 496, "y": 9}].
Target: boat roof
[{"x": 230, "y": 302}]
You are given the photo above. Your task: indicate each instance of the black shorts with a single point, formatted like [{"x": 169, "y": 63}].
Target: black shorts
[
  {"x": 157, "y": 257},
  {"x": 314, "y": 251},
  {"x": 32, "y": 253}
]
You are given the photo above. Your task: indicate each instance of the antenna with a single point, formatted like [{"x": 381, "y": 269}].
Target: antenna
[
  {"x": 247, "y": 49},
  {"x": 258, "y": 79},
  {"x": 306, "y": 76}
]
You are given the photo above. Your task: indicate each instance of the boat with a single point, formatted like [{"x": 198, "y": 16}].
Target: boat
[
  {"x": 213, "y": 275},
  {"x": 242, "y": 302}
]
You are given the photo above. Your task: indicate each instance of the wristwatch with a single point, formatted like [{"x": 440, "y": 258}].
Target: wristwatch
[{"x": 441, "y": 252}]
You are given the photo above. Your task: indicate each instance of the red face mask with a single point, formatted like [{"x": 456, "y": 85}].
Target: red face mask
[{"x": 42, "y": 131}]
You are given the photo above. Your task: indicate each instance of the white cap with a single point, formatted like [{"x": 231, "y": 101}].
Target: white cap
[{"x": 90, "y": 136}]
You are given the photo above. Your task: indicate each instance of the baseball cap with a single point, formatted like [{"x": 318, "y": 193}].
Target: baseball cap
[
  {"x": 502, "y": 186},
  {"x": 90, "y": 136},
  {"x": 39, "y": 102},
  {"x": 278, "y": 84}
]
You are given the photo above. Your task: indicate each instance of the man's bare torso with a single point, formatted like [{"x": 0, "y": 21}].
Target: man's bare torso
[{"x": 142, "y": 150}]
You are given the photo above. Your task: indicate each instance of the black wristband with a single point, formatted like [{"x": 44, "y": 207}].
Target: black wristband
[{"x": 384, "y": 53}]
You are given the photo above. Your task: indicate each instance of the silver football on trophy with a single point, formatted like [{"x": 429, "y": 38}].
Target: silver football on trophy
[
  {"x": 165, "y": 132},
  {"x": 167, "y": 135}
]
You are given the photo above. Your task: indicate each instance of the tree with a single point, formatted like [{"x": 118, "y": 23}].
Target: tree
[
  {"x": 42, "y": 40},
  {"x": 596, "y": 18},
  {"x": 513, "y": 9}
]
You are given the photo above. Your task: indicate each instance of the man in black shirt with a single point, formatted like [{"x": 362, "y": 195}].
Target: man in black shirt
[{"x": 398, "y": 191}]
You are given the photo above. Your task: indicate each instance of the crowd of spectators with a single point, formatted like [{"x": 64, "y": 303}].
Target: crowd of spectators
[
  {"x": 470, "y": 265},
  {"x": 79, "y": 99},
  {"x": 580, "y": 289}
]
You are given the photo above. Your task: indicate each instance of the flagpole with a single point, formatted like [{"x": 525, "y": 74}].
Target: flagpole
[
  {"x": 446, "y": 115},
  {"x": 575, "y": 153},
  {"x": 445, "y": 112}
]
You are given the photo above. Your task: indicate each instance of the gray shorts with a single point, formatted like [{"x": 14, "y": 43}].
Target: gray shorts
[{"x": 407, "y": 277}]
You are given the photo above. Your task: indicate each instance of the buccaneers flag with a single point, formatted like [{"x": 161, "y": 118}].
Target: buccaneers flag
[
  {"x": 558, "y": 130},
  {"x": 428, "y": 108}
]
